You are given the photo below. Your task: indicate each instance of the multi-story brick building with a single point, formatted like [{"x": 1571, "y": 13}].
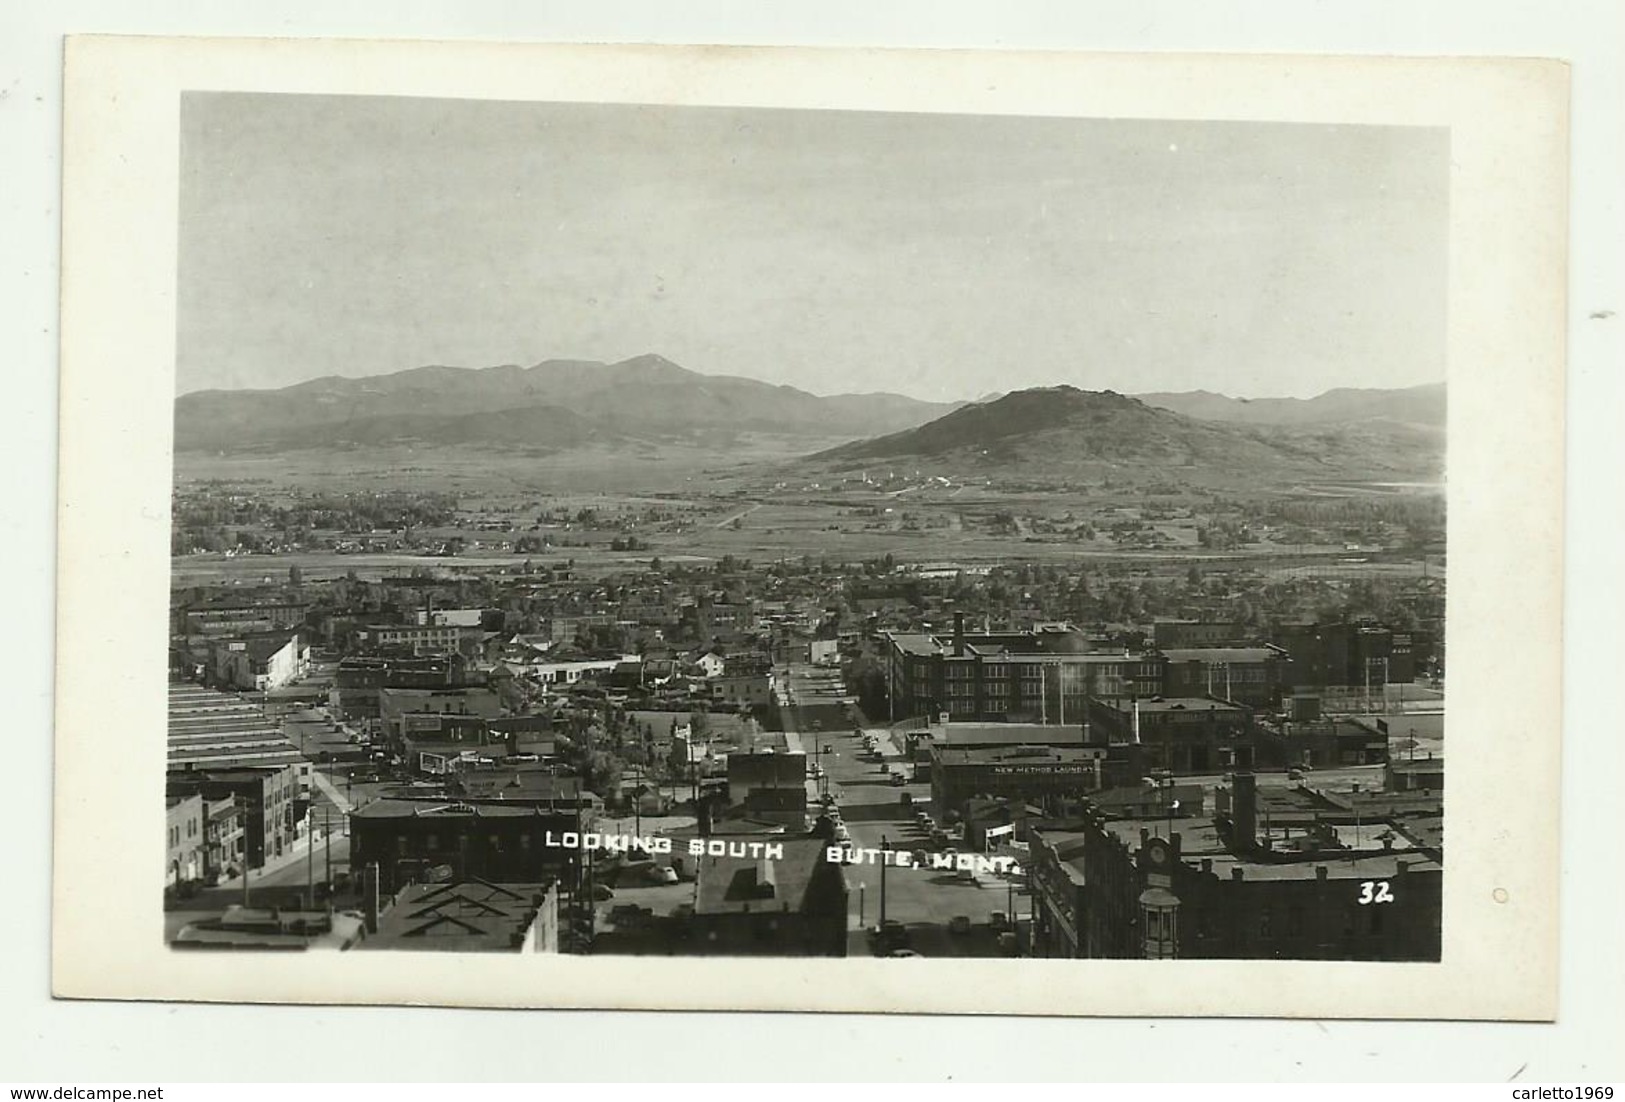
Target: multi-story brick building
[
  {"x": 1199, "y": 633},
  {"x": 268, "y": 797},
  {"x": 1346, "y": 654},
  {"x": 1340, "y": 889},
  {"x": 418, "y": 639},
  {"x": 492, "y": 840},
  {"x": 720, "y": 617},
  {"x": 224, "y": 837},
  {"x": 359, "y": 680},
  {"x": 1244, "y": 675},
  {"x": 232, "y": 614},
  {"x": 1045, "y": 675},
  {"x": 184, "y": 840}
]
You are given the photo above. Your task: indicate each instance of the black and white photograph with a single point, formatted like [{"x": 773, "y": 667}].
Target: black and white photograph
[
  {"x": 911, "y": 552},
  {"x": 626, "y": 529}
]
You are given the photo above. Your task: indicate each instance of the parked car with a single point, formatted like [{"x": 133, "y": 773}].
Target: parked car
[
  {"x": 959, "y": 924},
  {"x": 906, "y": 799},
  {"x": 897, "y": 780},
  {"x": 998, "y": 922}
]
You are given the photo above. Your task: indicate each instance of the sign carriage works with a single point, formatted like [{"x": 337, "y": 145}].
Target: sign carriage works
[{"x": 739, "y": 508}]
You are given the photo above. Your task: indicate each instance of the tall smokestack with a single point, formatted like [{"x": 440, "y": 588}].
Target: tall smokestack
[
  {"x": 1244, "y": 812},
  {"x": 959, "y": 635}
]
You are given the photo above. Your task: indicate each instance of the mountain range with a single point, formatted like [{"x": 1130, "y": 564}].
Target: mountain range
[
  {"x": 555, "y": 404},
  {"x": 1419, "y": 405},
  {"x": 1064, "y": 432},
  {"x": 561, "y": 406}
]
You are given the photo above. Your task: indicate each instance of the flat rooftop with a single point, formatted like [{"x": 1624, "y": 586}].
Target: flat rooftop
[
  {"x": 440, "y": 808},
  {"x": 1155, "y": 705},
  {"x": 965, "y": 735},
  {"x": 1219, "y": 654},
  {"x": 1020, "y": 755},
  {"x": 1200, "y": 840}
]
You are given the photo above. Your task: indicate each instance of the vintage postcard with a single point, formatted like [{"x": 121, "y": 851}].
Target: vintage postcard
[{"x": 780, "y": 529}]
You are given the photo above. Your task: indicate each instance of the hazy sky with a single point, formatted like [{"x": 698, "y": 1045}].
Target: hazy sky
[{"x": 938, "y": 256}]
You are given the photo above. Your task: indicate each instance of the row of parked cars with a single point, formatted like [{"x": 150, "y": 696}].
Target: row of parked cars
[{"x": 930, "y": 828}]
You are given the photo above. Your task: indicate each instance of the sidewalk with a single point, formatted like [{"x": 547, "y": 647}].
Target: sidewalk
[
  {"x": 295, "y": 853},
  {"x": 334, "y": 796},
  {"x": 884, "y": 741}
]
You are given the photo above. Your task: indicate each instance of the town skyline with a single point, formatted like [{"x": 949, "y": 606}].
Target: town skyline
[{"x": 942, "y": 257}]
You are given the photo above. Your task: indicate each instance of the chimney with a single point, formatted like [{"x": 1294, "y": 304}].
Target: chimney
[
  {"x": 959, "y": 635},
  {"x": 1244, "y": 811}
]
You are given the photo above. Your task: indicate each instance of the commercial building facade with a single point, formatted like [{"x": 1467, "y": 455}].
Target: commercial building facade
[
  {"x": 1225, "y": 888},
  {"x": 184, "y": 840},
  {"x": 488, "y": 840},
  {"x": 1039, "y": 775},
  {"x": 1180, "y": 734},
  {"x": 1348, "y": 654},
  {"x": 268, "y": 796}
]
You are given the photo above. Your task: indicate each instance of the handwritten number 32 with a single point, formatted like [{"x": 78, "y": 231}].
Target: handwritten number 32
[{"x": 1375, "y": 891}]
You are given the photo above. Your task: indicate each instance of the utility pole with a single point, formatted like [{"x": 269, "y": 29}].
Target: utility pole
[
  {"x": 310, "y": 859},
  {"x": 327, "y": 832},
  {"x": 883, "y": 848}
]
